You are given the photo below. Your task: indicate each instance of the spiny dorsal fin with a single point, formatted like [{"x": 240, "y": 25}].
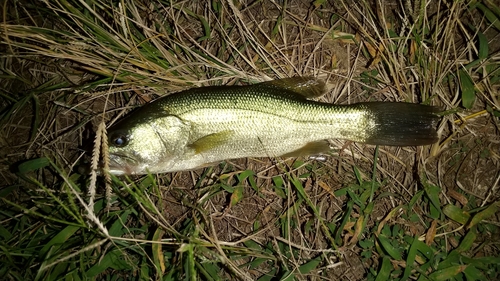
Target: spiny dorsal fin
[{"x": 307, "y": 87}]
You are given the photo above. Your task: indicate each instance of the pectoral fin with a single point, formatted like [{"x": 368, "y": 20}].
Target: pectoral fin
[
  {"x": 307, "y": 87},
  {"x": 310, "y": 148},
  {"x": 211, "y": 141}
]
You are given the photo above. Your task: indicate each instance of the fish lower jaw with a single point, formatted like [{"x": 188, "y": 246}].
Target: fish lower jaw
[
  {"x": 121, "y": 170},
  {"x": 117, "y": 172}
]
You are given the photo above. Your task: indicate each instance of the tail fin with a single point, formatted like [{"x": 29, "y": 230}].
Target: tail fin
[{"x": 402, "y": 124}]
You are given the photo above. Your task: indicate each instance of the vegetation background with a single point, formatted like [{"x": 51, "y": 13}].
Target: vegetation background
[{"x": 365, "y": 213}]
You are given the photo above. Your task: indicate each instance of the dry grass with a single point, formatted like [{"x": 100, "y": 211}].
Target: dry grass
[{"x": 68, "y": 67}]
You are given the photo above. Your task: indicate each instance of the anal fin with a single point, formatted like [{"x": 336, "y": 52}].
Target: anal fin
[{"x": 311, "y": 148}]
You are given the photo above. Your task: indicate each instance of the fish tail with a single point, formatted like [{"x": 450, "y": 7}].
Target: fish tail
[{"x": 402, "y": 124}]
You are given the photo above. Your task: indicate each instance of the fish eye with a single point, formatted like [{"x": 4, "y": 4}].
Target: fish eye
[{"x": 120, "y": 140}]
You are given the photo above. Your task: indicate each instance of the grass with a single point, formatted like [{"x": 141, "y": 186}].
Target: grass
[{"x": 366, "y": 213}]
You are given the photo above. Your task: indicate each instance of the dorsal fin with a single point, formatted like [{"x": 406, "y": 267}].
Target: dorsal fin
[{"x": 307, "y": 87}]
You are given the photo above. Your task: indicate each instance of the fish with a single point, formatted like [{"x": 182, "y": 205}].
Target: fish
[{"x": 203, "y": 126}]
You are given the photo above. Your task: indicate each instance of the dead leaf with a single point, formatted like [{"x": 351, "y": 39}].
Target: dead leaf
[
  {"x": 326, "y": 188},
  {"x": 458, "y": 196},
  {"x": 431, "y": 233}
]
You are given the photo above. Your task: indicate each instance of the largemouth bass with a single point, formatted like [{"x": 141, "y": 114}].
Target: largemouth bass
[{"x": 203, "y": 126}]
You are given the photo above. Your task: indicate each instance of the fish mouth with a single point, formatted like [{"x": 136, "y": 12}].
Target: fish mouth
[{"x": 120, "y": 164}]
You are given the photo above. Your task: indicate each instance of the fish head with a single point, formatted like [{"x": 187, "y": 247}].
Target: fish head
[{"x": 141, "y": 146}]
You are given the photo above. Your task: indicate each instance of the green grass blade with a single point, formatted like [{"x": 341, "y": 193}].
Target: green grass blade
[
  {"x": 457, "y": 214},
  {"x": 484, "y": 214},
  {"x": 447, "y": 273},
  {"x": 310, "y": 265},
  {"x": 385, "y": 270},
  {"x": 483, "y": 51},
  {"x": 468, "y": 90},
  {"x": 389, "y": 248},
  {"x": 33, "y": 165},
  {"x": 59, "y": 239},
  {"x": 489, "y": 14}
]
